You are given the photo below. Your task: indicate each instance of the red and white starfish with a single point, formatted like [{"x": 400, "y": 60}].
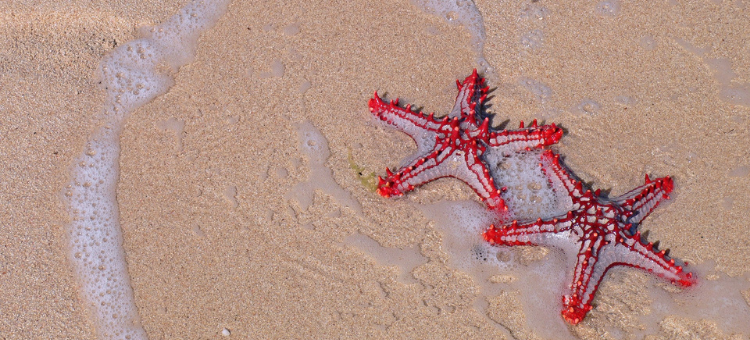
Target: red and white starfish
[
  {"x": 454, "y": 145},
  {"x": 602, "y": 231}
]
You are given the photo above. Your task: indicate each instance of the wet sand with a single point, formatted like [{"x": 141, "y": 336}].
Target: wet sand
[{"x": 212, "y": 236}]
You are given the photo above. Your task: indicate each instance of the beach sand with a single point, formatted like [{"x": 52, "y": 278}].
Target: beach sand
[{"x": 216, "y": 230}]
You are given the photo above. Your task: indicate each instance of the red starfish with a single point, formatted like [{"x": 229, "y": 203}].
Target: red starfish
[
  {"x": 454, "y": 145},
  {"x": 603, "y": 231}
]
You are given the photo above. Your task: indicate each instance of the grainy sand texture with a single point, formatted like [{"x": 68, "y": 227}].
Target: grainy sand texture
[{"x": 243, "y": 193}]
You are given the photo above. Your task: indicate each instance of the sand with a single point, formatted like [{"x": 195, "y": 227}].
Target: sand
[{"x": 215, "y": 241}]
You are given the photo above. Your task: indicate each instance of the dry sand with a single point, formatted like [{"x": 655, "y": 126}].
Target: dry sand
[{"x": 211, "y": 237}]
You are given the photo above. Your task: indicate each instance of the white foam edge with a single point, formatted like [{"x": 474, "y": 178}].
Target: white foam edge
[
  {"x": 717, "y": 297},
  {"x": 405, "y": 259},
  {"x": 314, "y": 145},
  {"x": 132, "y": 75},
  {"x": 541, "y": 283},
  {"x": 464, "y": 13}
]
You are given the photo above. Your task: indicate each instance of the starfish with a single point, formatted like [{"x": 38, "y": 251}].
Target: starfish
[
  {"x": 455, "y": 145},
  {"x": 602, "y": 232}
]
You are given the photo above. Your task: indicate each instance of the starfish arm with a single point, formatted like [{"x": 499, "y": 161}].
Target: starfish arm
[
  {"x": 417, "y": 125},
  {"x": 598, "y": 255},
  {"x": 588, "y": 273},
  {"x": 554, "y": 232},
  {"x": 558, "y": 175},
  {"x": 641, "y": 201},
  {"x": 472, "y": 92},
  {"x": 447, "y": 161},
  {"x": 527, "y": 138},
  {"x": 418, "y": 172},
  {"x": 474, "y": 172},
  {"x": 630, "y": 251}
]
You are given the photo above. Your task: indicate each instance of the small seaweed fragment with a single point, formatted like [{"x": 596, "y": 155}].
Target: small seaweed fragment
[{"x": 369, "y": 181}]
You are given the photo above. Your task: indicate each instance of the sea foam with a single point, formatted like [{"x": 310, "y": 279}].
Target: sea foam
[
  {"x": 540, "y": 283},
  {"x": 464, "y": 13},
  {"x": 132, "y": 75}
]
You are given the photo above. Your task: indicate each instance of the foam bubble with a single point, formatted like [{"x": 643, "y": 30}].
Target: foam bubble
[
  {"x": 529, "y": 195},
  {"x": 741, "y": 171},
  {"x": 542, "y": 92},
  {"x": 462, "y": 224},
  {"x": 292, "y": 29},
  {"x": 534, "y": 11},
  {"x": 608, "y": 8},
  {"x": 532, "y": 40},
  {"x": 647, "y": 42},
  {"x": 588, "y": 106},
  {"x": 626, "y": 100},
  {"x": 277, "y": 70},
  {"x": 132, "y": 75}
]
